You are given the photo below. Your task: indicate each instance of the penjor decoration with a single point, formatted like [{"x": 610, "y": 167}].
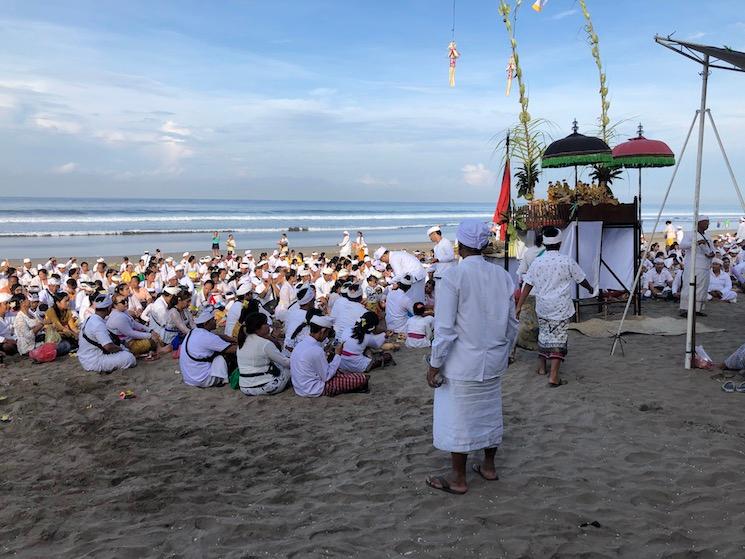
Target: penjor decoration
[
  {"x": 453, "y": 55},
  {"x": 511, "y": 74}
]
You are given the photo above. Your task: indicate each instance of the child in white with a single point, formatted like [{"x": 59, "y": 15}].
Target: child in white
[
  {"x": 353, "y": 358},
  {"x": 419, "y": 328}
]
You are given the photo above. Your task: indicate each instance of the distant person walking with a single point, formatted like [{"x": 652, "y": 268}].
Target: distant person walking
[
  {"x": 215, "y": 243},
  {"x": 345, "y": 246},
  {"x": 670, "y": 234}
]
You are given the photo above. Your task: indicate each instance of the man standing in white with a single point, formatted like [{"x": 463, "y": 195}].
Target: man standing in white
[
  {"x": 704, "y": 254},
  {"x": 345, "y": 246},
  {"x": 550, "y": 278},
  {"x": 404, "y": 263},
  {"x": 444, "y": 253},
  {"x": 475, "y": 329},
  {"x": 740, "y": 236}
]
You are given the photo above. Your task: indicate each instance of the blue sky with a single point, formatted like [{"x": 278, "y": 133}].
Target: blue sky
[{"x": 336, "y": 99}]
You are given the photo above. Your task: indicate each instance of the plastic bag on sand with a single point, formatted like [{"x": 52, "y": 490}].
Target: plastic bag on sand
[
  {"x": 701, "y": 359},
  {"x": 45, "y": 353}
]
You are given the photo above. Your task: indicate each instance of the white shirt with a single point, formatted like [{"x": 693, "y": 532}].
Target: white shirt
[
  {"x": 293, "y": 318},
  {"x": 309, "y": 369},
  {"x": 231, "y": 319},
  {"x": 702, "y": 261},
  {"x": 125, "y": 327},
  {"x": 186, "y": 282},
  {"x": 721, "y": 282},
  {"x": 422, "y": 328},
  {"x": 406, "y": 263},
  {"x": 200, "y": 343},
  {"x": 323, "y": 287},
  {"x": 23, "y": 329},
  {"x": 345, "y": 313},
  {"x": 6, "y": 328},
  {"x": 398, "y": 309},
  {"x": 158, "y": 315},
  {"x": 552, "y": 276},
  {"x": 353, "y": 358},
  {"x": 88, "y": 354},
  {"x": 740, "y": 231},
  {"x": 254, "y": 357},
  {"x": 345, "y": 246},
  {"x": 445, "y": 254},
  {"x": 286, "y": 297},
  {"x": 475, "y": 324},
  {"x": 530, "y": 254},
  {"x": 660, "y": 279}
]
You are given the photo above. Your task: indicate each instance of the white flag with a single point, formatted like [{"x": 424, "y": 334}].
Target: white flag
[{"x": 538, "y": 5}]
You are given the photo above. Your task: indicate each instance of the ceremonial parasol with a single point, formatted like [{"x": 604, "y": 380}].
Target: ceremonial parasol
[
  {"x": 639, "y": 152},
  {"x": 576, "y": 149}
]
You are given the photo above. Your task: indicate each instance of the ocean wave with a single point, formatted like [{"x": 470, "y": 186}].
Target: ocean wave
[
  {"x": 221, "y": 218},
  {"x": 128, "y": 232}
]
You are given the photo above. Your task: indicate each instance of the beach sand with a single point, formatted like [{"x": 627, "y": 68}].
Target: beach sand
[{"x": 651, "y": 452}]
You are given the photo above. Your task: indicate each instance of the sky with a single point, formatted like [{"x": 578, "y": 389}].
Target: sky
[{"x": 339, "y": 100}]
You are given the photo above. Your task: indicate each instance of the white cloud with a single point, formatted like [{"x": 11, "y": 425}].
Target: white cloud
[
  {"x": 566, "y": 13},
  {"x": 170, "y": 127},
  {"x": 65, "y": 169},
  {"x": 369, "y": 180},
  {"x": 322, "y": 92},
  {"x": 697, "y": 35},
  {"x": 478, "y": 175},
  {"x": 48, "y": 123}
]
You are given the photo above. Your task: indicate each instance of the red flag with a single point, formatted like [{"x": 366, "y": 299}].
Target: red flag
[{"x": 503, "y": 204}]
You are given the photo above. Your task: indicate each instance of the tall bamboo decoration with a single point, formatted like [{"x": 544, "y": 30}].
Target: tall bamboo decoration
[
  {"x": 595, "y": 49},
  {"x": 525, "y": 140}
]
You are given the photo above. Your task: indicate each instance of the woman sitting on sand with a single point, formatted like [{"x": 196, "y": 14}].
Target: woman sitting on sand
[
  {"x": 151, "y": 285},
  {"x": 315, "y": 369},
  {"x": 353, "y": 358},
  {"x": 180, "y": 320},
  {"x": 28, "y": 329},
  {"x": 59, "y": 319},
  {"x": 262, "y": 368},
  {"x": 735, "y": 362}
]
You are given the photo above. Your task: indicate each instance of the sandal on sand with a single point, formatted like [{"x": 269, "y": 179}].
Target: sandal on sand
[
  {"x": 477, "y": 468},
  {"x": 561, "y": 382},
  {"x": 728, "y": 386},
  {"x": 740, "y": 387},
  {"x": 444, "y": 485}
]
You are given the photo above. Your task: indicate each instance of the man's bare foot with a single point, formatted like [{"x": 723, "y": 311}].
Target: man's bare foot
[
  {"x": 448, "y": 486},
  {"x": 489, "y": 473}
]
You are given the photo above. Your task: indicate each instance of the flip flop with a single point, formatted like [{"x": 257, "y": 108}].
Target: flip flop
[
  {"x": 444, "y": 485},
  {"x": 561, "y": 382},
  {"x": 740, "y": 387},
  {"x": 477, "y": 468},
  {"x": 728, "y": 386}
]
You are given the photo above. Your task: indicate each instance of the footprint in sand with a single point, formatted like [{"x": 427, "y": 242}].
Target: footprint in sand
[{"x": 640, "y": 457}]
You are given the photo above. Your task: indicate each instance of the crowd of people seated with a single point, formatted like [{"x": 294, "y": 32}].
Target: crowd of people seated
[
  {"x": 664, "y": 268},
  {"x": 261, "y": 324}
]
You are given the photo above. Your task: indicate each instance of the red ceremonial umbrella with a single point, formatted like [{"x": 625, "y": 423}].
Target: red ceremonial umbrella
[{"x": 639, "y": 152}]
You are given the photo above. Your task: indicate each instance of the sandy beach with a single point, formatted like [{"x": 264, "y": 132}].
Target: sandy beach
[{"x": 648, "y": 451}]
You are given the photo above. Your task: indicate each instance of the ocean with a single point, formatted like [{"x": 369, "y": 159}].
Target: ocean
[{"x": 42, "y": 227}]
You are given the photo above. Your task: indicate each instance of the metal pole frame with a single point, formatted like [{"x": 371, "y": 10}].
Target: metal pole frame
[
  {"x": 654, "y": 230},
  {"x": 696, "y": 201},
  {"x": 726, "y": 159}
]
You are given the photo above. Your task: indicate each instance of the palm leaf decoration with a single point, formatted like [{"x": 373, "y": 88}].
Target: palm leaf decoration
[
  {"x": 606, "y": 175},
  {"x": 528, "y": 141}
]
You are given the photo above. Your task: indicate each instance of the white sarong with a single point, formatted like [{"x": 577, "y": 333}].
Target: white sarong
[
  {"x": 467, "y": 415},
  {"x": 702, "y": 289}
]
